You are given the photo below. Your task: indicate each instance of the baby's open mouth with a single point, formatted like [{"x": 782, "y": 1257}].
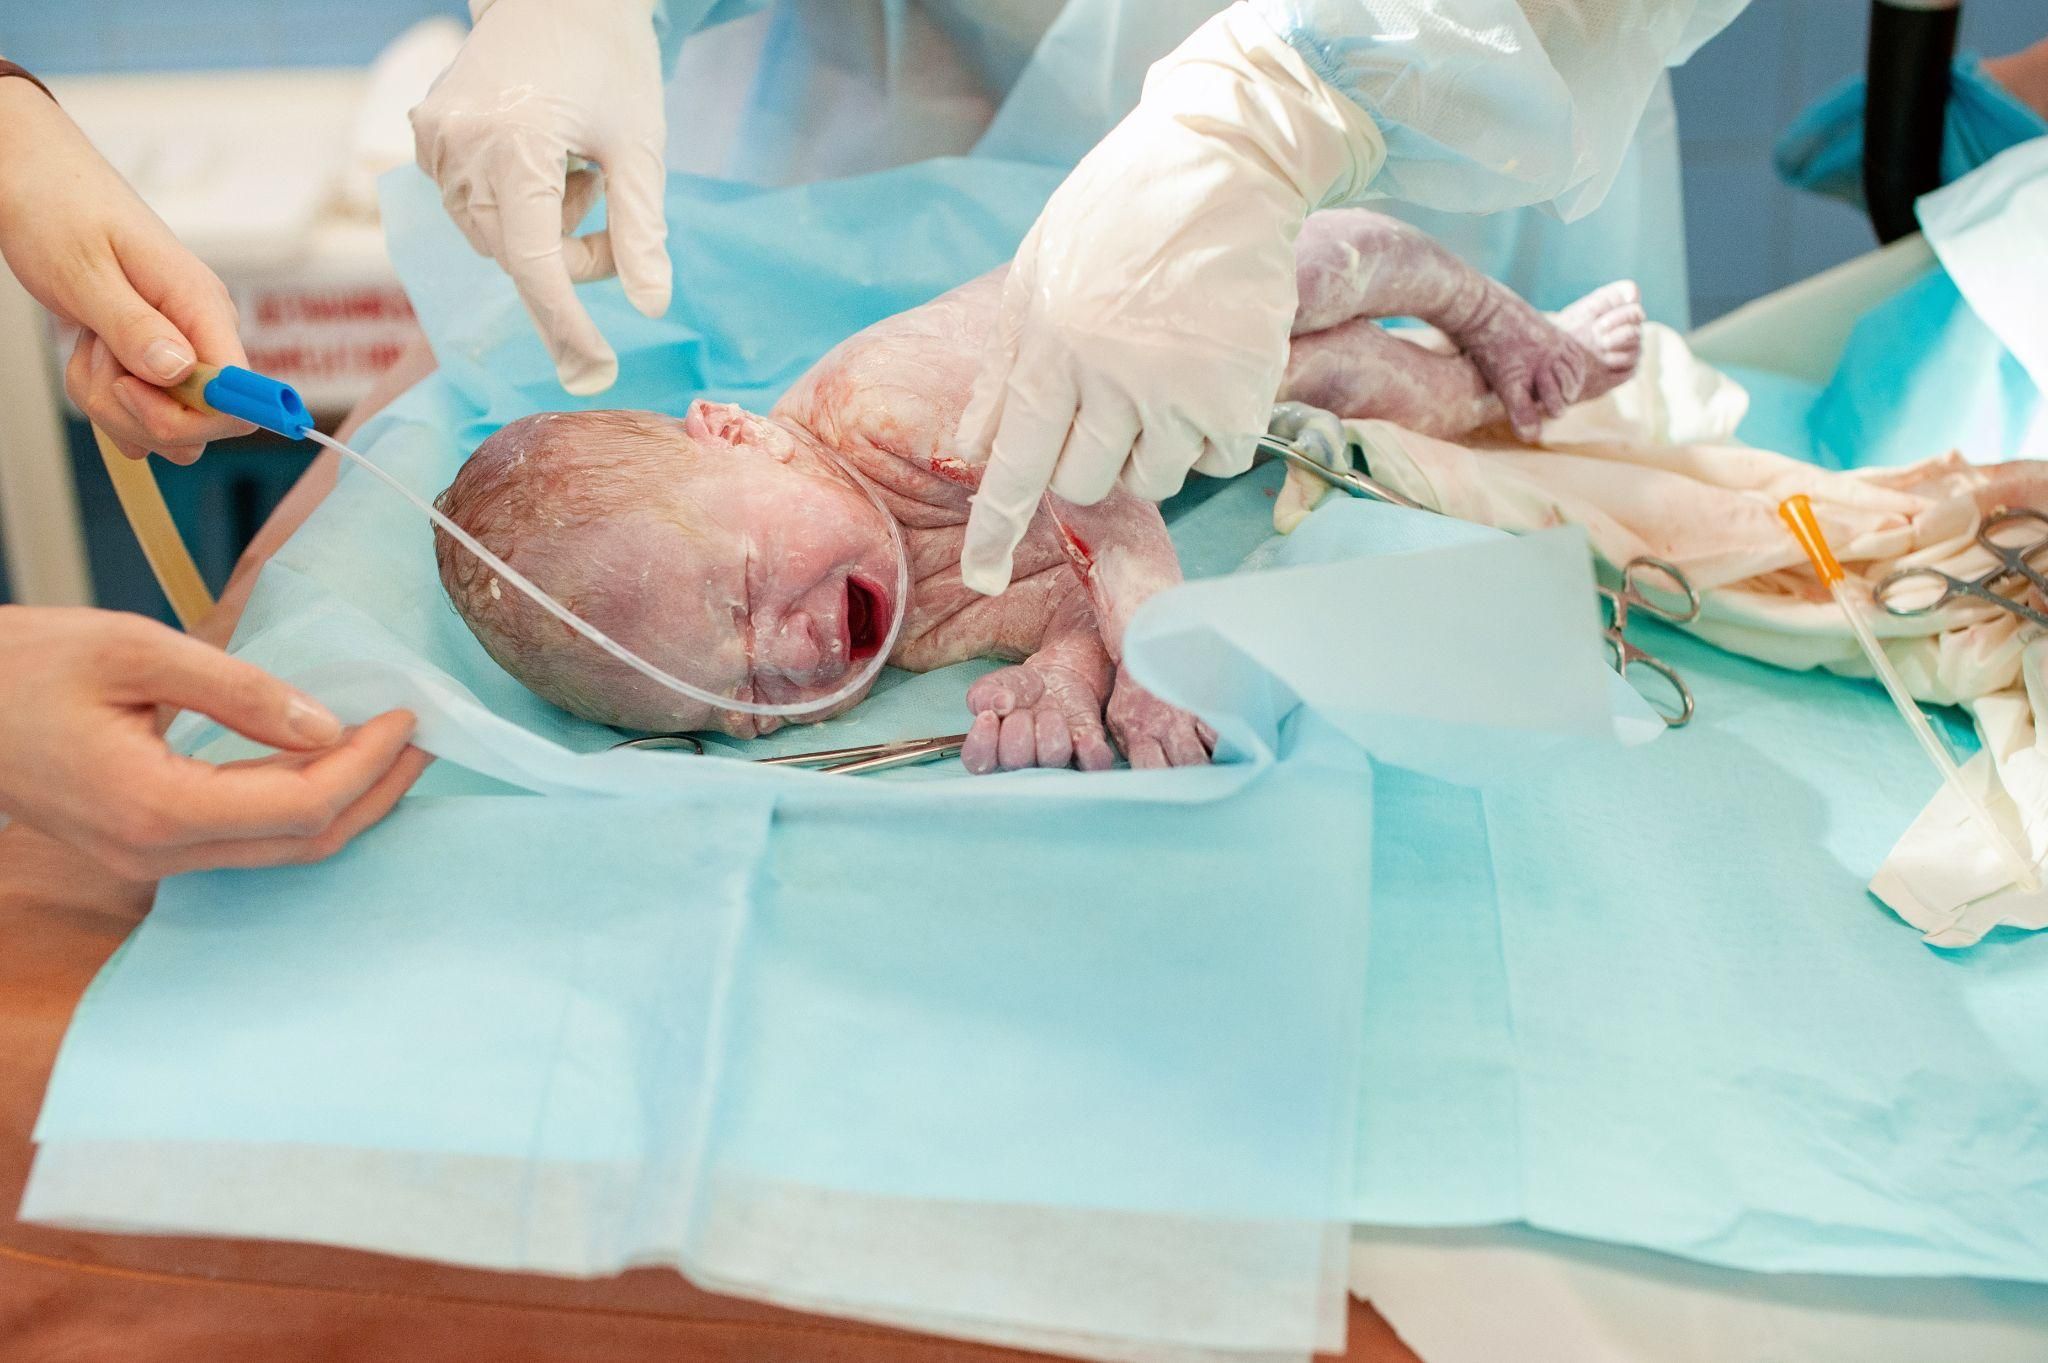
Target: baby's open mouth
[{"x": 867, "y": 619}]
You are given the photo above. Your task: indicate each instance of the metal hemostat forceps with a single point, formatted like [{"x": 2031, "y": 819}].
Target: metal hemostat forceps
[
  {"x": 2013, "y": 538},
  {"x": 1648, "y": 585},
  {"x": 862, "y": 757}
]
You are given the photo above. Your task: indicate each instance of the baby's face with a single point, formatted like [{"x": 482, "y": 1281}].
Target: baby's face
[
  {"x": 804, "y": 558},
  {"x": 724, "y": 547}
]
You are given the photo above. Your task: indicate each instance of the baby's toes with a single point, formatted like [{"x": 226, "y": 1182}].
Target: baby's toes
[
  {"x": 1604, "y": 301},
  {"x": 1524, "y": 415},
  {"x": 1621, "y": 338},
  {"x": 1559, "y": 381}
]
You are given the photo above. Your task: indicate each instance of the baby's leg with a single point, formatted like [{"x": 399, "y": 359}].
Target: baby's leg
[
  {"x": 1357, "y": 369},
  {"x": 1352, "y": 263}
]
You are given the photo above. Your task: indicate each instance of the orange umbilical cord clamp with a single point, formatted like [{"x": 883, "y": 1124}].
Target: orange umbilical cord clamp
[{"x": 1797, "y": 513}]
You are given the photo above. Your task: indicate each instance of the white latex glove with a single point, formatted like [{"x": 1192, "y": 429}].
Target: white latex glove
[
  {"x": 1144, "y": 322},
  {"x": 537, "y": 83}
]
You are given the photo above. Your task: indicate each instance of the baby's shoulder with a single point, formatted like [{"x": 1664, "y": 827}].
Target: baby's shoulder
[
  {"x": 904, "y": 399},
  {"x": 897, "y": 389}
]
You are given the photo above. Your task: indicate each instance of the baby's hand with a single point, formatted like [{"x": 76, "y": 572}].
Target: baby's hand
[
  {"x": 1153, "y": 733},
  {"x": 1041, "y": 713}
]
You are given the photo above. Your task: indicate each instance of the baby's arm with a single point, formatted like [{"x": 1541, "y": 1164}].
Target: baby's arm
[
  {"x": 1047, "y": 710},
  {"x": 1123, "y": 554},
  {"x": 1124, "y": 557}
]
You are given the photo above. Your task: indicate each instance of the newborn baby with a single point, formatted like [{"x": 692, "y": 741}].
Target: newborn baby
[{"x": 734, "y": 550}]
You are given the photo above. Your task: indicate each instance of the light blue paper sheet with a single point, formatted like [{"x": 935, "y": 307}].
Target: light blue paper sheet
[
  {"x": 1638, "y": 994},
  {"x": 1661, "y": 981},
  {"x": 1922, "y": 375},
  {"x": 774, "y": 1017}
]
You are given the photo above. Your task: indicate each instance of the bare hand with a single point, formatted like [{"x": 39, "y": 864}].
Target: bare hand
[
  {"x": 82, "y": 757},
  {"x": 90, "y": 251}
]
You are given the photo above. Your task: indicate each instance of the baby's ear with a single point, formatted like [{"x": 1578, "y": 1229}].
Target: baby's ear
[{"x": 717, "y": 421}]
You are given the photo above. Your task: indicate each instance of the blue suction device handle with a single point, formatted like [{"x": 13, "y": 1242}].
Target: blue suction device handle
[{"x": 255, "y": 398}]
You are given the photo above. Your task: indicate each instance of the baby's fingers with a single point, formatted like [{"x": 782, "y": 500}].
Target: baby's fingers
[
  {"x": 1054, "y": 743},
  {"x": 1184, "y": 746},
  {"x": 1006, "y": 691},
  {"x": 978, "y": 753},
  {"x": 1146, "y": 753},
  {"x": 1017, "y": 744}
]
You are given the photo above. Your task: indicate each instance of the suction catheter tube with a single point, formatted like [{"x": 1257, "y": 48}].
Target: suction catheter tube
[
  {"x": 1797, "y": 513},
  {"x": 277, "y": 408}
]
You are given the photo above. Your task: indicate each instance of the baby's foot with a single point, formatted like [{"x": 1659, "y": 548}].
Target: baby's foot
[
  {"x": 1153, "y": 733},
  {"x": 1537, "y": 367},
  {"x": 1607, "y": 325},
  {"x": 1037, "y": 714}
]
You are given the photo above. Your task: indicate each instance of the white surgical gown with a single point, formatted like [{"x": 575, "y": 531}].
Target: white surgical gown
[
  {"x": 800, "y": 90},
  {"x": 1535, "y": 137}
]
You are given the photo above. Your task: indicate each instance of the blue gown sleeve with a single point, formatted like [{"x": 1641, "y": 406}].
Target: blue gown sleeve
[{"x": 1823, "y": 149}]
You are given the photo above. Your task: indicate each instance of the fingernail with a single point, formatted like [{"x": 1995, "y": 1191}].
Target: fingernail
[
  {"x": 652, "y": 299},
  {"x": 987, "y": 579},
  {"x": 587, "y": 377},
  {"x": 166, "y": 361},
  {"x": 311, "y": 721}
]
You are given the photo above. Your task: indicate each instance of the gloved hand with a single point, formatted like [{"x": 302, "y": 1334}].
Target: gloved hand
[
  {"x": 537, "y": 84},
  {"x": 1144, "y": 323},
  {"x": 90, "y": 251},
  {"x": 84, "y": 760}
]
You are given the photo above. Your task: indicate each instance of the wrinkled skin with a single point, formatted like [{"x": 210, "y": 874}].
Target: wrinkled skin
[{"x": 730, "y": 549}]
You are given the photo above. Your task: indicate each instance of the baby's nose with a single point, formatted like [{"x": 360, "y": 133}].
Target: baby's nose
[{"x": 796, "y": 651}]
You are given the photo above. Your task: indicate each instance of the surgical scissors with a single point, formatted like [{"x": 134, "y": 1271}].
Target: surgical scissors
[
  {"x": 1682, "y": 609},
  {"x": 2015, "y": 565},
  {"x": 1350, "y": 480},
  {"x": 689, "y": 743},
  {"x": 850, "y": 761}
]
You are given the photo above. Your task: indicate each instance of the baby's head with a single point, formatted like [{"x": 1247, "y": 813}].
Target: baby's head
[{"x": 724, "y": 547}]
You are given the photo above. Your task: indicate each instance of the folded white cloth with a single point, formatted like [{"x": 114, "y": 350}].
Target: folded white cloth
[{"x": 1654, "y": 468}]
